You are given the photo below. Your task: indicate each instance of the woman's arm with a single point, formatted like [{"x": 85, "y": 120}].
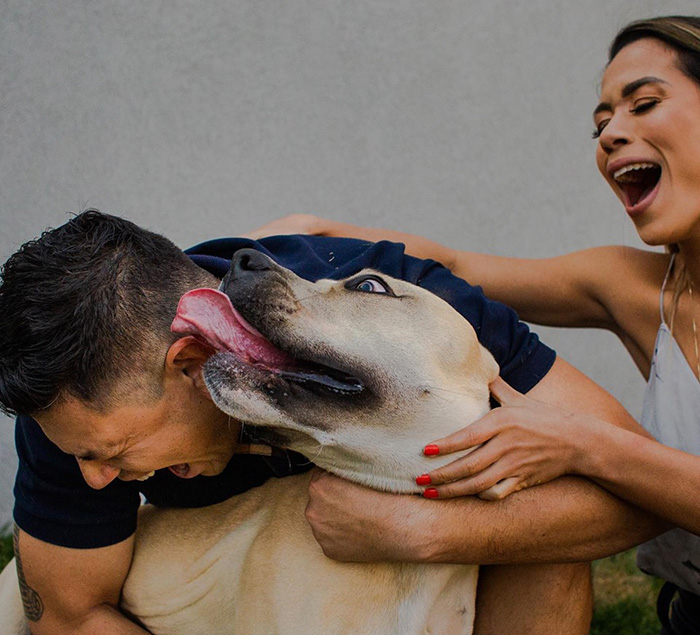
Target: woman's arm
[
  {"x": 569, "y": 290},
  {"x": 527, "y": 442}
]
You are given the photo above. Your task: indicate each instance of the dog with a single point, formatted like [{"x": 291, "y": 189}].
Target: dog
[{"x": 356, "y": 374}]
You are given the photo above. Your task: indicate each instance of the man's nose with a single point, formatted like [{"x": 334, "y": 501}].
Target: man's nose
[{"x": 97, "y": 475}]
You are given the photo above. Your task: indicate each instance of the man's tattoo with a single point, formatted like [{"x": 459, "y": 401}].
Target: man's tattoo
[{"x": 33, "y": 606}]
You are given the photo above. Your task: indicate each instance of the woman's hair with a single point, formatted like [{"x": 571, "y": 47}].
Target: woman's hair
[
  {"x": 682, "y": 35},
  {"x": 85, "y": 310}
]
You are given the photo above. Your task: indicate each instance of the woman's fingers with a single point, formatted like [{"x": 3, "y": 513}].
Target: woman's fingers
[
  {"x": 504, "y": 393},
  {"x": 503, "y": 488},
  {"x": 466, "y": 466},
  {"x": 482, "y": 430},
  {"x": 481, "y": 482},
  {"x": 475, "y": 434}
]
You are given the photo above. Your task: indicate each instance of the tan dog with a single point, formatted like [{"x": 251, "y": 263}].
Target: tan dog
[{"x": 388, "y": 367}]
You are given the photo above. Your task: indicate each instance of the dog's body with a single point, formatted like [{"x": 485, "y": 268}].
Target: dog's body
[{"x": 389, "y": 367}]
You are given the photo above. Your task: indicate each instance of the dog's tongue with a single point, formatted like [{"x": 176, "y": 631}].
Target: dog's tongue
[{"x": 209, "y": 314}]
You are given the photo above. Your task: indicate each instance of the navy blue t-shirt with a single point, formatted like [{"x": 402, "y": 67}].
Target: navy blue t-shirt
[{"x": 54, "y": 504}]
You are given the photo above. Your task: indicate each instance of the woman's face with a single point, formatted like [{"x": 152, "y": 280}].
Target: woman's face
[{"x": 648, "y": 122}]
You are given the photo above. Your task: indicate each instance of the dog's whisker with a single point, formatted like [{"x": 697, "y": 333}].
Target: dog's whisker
[
  {"x": 431, "y": 389},
  {"x": 312, "y": 460},
  {"x": 313, "y": 294}
]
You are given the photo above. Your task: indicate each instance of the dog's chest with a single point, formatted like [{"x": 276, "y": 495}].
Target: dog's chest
[{"x": 251, "y": 565}]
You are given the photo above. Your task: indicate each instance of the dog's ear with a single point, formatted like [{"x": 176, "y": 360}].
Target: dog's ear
[{"x": 187, "y": 356}]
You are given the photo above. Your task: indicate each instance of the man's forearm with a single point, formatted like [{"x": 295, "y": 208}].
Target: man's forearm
[
  {"x": 104, "y": 619},
  {"x": 567, "y": 520}
]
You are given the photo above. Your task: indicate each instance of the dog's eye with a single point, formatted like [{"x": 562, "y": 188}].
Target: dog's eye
[{"x": 369, "y": 285}]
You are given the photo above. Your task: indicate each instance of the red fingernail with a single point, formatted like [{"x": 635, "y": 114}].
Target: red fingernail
[
  {"x": 423, "y": 479},
  {"x": 431, "y": 450},
  {"x": 431, "y": 492}
]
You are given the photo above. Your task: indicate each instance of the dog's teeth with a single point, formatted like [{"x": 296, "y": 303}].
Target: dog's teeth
[{"x": 146, "y": 476}]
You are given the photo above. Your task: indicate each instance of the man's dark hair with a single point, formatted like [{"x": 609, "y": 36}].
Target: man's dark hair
[{"x": 85, "y": 306}]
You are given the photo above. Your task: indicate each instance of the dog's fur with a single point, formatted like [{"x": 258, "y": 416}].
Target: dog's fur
[{"x": 250, "y": 564}]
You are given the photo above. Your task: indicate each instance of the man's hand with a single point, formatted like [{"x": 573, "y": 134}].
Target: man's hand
[{"x": 354, "y": 523}]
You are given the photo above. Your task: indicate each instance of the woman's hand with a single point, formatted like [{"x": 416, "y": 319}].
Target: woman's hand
[
  {"x": 292, "y": 224},
  {"x": 521, "y": 444}
]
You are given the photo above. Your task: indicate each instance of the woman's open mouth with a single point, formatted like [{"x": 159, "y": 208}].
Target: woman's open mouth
[{"x": 638, "y": 183}]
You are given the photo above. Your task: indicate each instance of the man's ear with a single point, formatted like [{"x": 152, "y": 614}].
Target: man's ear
[{"x": 187, "y": 356}]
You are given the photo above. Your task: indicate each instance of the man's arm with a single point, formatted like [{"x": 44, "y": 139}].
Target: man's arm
[
  {"x": 567, "y": 520},
  {"x": 73, "y": 591}
]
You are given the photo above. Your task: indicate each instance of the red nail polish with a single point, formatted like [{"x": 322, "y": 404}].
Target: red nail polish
[
  {"x": 431, "y": 492},
  {"x": 423, "y": 479},
  {"x": 431, "y": 449}
]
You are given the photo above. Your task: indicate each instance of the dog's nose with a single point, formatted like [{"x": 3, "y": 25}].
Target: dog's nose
[{"x": 251, "y": 260}]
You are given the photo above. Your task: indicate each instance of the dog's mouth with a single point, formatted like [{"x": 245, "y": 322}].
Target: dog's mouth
[{"x": 209, "y": 315}]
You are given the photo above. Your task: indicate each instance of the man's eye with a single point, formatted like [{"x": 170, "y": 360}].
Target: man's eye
[{"x": 369, "y": 285}]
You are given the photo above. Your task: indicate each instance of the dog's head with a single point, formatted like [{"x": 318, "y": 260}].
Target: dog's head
[{"x": 356, "y": 374}]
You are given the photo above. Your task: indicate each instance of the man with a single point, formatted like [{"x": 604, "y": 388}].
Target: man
[{"x": 112, "y": 405}]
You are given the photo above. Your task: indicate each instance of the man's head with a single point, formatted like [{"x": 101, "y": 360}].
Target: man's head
[{"x": 85, "y": 313}]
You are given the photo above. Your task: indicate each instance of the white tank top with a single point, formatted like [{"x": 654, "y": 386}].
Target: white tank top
[{"x": 671, "y": 413}]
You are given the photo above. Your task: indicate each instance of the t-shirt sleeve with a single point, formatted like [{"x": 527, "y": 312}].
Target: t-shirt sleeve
[
  {"x": 523, "y": 359},
  {"x": 54, "y": 504}
]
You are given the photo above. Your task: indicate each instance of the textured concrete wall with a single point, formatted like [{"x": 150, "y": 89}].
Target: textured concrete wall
[{"x": 468, "y": 122}]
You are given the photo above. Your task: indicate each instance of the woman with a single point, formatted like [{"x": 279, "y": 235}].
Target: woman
[{"x": 647, "y": 125}]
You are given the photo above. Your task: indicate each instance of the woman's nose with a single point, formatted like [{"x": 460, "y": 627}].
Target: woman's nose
[{"x": 616, "y": 133}]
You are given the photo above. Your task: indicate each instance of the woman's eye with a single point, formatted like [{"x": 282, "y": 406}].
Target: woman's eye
[
  {"x": 644, "y": 105},
  {"x": 371, "y": 285},
  {"x": 599, "y": 129}
]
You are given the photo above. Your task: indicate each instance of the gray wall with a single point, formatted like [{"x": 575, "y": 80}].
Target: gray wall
[{"x": 468, "y": 122}]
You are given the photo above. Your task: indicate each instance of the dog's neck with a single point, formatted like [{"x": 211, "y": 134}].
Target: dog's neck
[{"x": 389, "y": 456}]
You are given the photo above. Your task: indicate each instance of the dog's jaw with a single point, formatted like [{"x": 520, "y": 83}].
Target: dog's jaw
[{"x": 373, "y": 455}]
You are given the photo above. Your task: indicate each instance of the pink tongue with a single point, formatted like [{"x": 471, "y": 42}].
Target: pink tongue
[{"x": 209, "y": 313}]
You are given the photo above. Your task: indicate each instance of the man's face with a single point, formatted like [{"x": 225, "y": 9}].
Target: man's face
[{"x": 182, "y": 430}]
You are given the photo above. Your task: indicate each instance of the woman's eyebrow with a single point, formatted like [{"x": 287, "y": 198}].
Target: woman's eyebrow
[
  {"x": 638, "y": 83},
  {"x": 629, "y": 89}
]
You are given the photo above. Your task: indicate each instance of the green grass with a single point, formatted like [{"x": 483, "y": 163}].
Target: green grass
[
  {"x": 6, "y": 550},
  {"x": 625, "y": 598}
]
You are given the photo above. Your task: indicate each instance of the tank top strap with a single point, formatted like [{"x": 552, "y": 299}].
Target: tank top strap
[{"x": 663, "y": 287}]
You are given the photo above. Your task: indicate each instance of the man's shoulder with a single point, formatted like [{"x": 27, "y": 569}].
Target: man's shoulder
[{"x": 311, "y": 257}]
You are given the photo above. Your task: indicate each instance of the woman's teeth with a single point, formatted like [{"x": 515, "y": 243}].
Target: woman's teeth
[{"x": 618, "y": 174}]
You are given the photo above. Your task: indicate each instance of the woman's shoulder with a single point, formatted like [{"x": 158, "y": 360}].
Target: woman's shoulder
[{"x": 623, "y": 265}]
